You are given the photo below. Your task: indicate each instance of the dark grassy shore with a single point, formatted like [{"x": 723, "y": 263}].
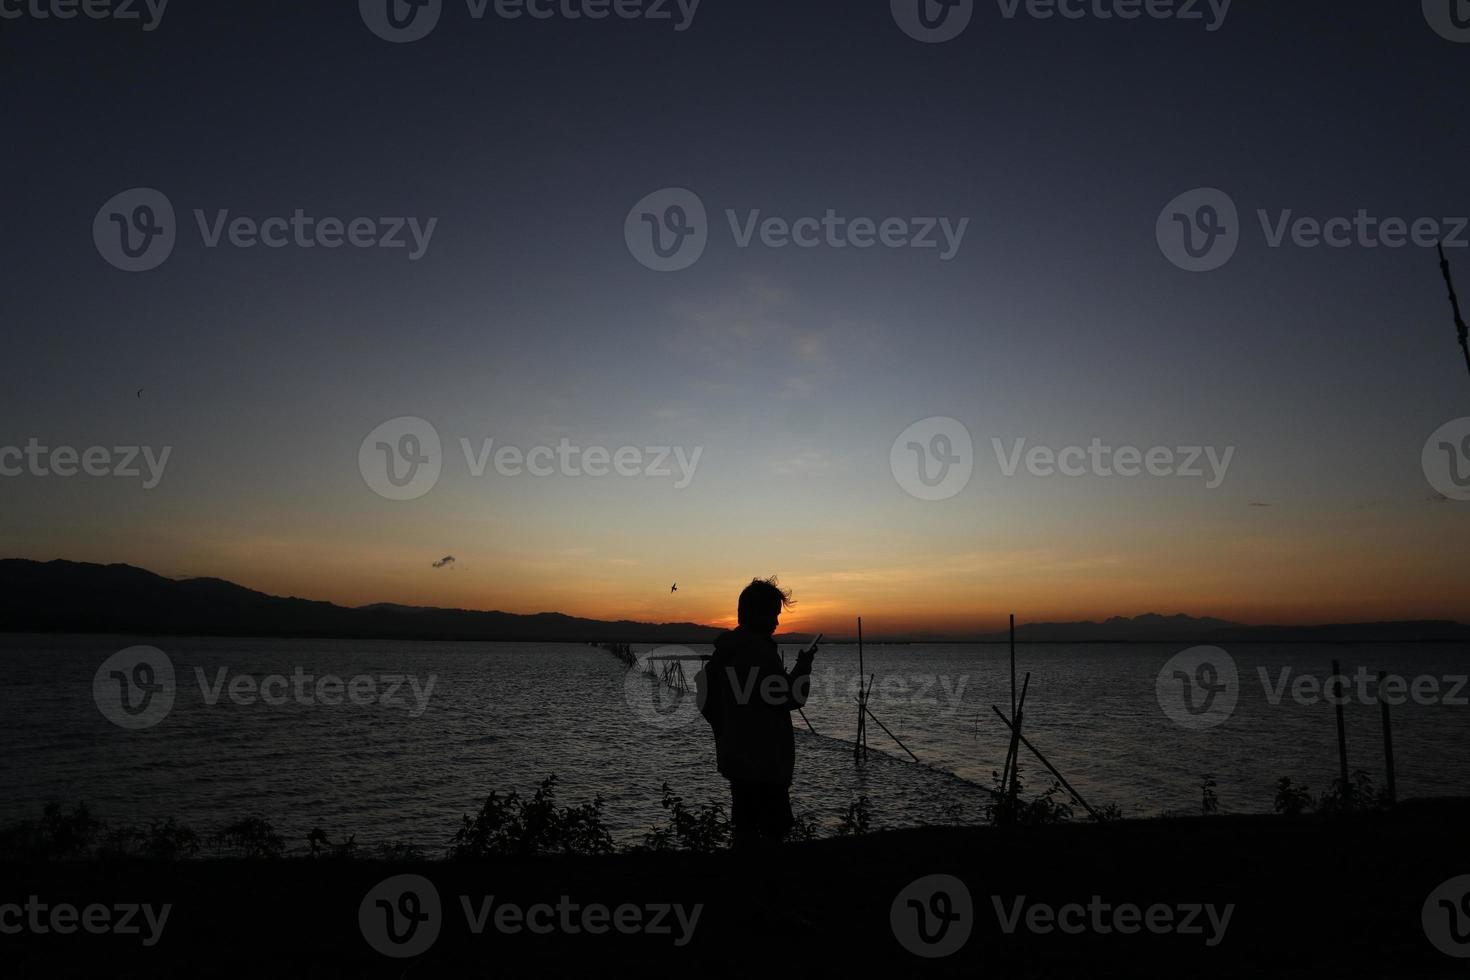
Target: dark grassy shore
[{"x": 1338, "y": 897}]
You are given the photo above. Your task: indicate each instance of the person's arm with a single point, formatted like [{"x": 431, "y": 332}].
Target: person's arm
[{"x": 797, "y": 681}]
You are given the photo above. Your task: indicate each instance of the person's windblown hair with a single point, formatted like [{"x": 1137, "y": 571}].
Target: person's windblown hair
[{"x": 763, "y": 599}]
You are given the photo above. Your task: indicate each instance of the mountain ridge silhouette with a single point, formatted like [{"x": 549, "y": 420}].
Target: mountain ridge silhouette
[{"x": 78, "y": 597}]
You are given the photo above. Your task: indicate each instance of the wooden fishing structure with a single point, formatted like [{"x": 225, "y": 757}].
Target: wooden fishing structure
[
  {"x": 865, "y": 710},
  {"x": 1390, "y": 774},
  {"x": 1010, "y": 780}
]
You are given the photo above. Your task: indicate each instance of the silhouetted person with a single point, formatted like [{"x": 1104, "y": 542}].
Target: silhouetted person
[{"x": 747, "y": 697}]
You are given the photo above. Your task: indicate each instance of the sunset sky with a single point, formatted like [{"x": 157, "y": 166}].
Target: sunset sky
[{"x": 791, "y": 370}]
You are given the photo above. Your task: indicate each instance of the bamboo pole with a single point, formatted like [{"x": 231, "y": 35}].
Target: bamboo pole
[
  {"x": 860, "y": 743},
  {"x": 1391, "y": 788},
  {"x": 1013, "y": 665},
  {"x": 1049, "y": 767},
  {"x": 1010, "y": 784},
  {"x": 1342, "y": 761},
  {"x": 1463, "y": 331},
  {"x": 1011, "y": 788},
  {"x": 868, "y": 696},
  {"x": 893, "y": 736}
]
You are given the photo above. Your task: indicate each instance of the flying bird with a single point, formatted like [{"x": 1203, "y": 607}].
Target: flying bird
[
  {"x": 675, "y": 588},
  {"x": 140, "y": 392},
  {"x": 444, "y": 562}
]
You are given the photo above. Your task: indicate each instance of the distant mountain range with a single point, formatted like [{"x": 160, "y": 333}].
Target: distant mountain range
[
  {"x": 1153, "y": 628},
  {"x": 72, "y": 597}
]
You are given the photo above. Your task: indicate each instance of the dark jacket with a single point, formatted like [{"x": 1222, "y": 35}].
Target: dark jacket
[{"x": 748, "y": 698}]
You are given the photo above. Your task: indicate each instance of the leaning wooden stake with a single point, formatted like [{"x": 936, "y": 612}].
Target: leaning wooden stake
[
  {"x": 1010, "y": 781},
  {"x": 892, "y": 736},
  {"x": 1013, "y": 665},
  {"x": 1391, "y": 788},
  {"x": 1049, "y": 767},
  {"x": 1464, "y": 332},
  {"x": 860, "y": 743},
  {"x": 1347, "y": 788}
]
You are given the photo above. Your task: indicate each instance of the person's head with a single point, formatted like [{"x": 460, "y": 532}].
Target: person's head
[{"x": 761, "y": 603}]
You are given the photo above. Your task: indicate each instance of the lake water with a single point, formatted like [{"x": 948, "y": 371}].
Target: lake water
[{"x": 502, "y": 716}]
